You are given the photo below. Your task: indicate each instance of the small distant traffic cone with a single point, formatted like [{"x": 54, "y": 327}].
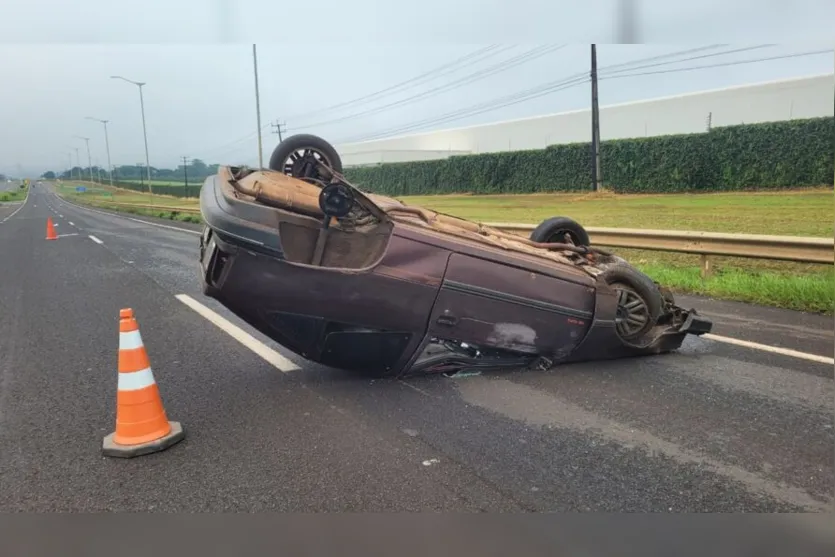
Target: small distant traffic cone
[
  {"x": 50, "y": 230},
  {"x": 141, "y": 424}
]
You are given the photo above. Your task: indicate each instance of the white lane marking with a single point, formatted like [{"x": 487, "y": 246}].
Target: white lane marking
[
  {"x": 131, "y": 218},
  {"x": 96, "y": 240},
  {"x": 265, "y": 352},
  {"x": 772, "y": 349},
  {"x": 71, "y": 223},
  {"x": 135, "y": 380},
  {"x": 62, "y": 216},
  {"x": 70, "y": 234}
]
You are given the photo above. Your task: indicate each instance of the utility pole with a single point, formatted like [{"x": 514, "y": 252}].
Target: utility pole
[
  {"x": 78, "y": 162},
  {"x": 89, "y": 158},
  {"x": 257, "y": 107},
  {"x": 69, "y": 159},
  {"x": 141, "y": 84},
  {"x": 107, "y": 146},
  {"x": 185, "y": 173},
  {"x": 595, "y": 124},
  {"x": 277, "y": 128}
]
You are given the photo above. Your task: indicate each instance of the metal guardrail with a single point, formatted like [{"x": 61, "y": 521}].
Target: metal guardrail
[{"x": 798, "y": 249}]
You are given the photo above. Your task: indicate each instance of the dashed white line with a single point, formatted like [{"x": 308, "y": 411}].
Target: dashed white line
[
  {"x": 71, "y": 223},
  {"x": 265, "y": 352},
  {"x": 96, "y": 240},
  {"x": 772, "y": 349},
  {"x": 70, "y": 234}
]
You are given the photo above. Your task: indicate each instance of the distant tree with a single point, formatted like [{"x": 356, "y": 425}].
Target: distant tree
[
  {"x": 3, "y": 177},
  {"x": 199, "y": 168},
  {"x": 48, "y": 175}
]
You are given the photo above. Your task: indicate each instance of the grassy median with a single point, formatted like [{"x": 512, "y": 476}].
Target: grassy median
[
  {"x": 804, "y": 287},
  {"x": 18, "y": 194}
]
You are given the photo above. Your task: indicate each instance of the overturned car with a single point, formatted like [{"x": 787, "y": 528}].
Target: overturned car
[{"x": 363, "y": 282}]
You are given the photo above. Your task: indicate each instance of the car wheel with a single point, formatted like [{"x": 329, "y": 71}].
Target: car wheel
[
  {"x": 298, "y": 156},
  {"x": 640, "y": 303},
  {"x": 558, "y": 230}
]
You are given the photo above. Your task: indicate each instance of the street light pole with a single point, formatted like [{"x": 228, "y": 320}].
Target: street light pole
[
  {"x": 257, "y": 107},
  {"x": 144, "y": 129},
  {"x": 78, "y": 162},
  {"x": 107, "y": 146},
  {"x": 89, "y": 158}
]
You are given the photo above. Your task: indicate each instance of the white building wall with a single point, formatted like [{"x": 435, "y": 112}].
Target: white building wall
[{"x": 807, "y": 97}]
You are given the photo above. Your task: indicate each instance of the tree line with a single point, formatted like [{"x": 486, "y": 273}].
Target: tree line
[{"x": 196, "y": 170}]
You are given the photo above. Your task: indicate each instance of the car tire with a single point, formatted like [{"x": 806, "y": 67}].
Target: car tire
[
  {"x": 634, "y": 289},
  {"x": 553, "y": 230},
  {"x": 305, "y": 141}
]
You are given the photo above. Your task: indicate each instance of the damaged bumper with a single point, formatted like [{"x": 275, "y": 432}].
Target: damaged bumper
[{"x": 695, "y": 324}]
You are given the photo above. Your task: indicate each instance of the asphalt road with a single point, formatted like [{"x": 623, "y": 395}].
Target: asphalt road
[{"x": 713, "y": 428}]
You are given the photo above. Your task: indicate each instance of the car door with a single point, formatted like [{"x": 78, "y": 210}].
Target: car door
[{"x": 490, "y": 303}]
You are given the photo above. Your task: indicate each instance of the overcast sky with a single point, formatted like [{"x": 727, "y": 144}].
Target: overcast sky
[{"x": 56, "y": 59}]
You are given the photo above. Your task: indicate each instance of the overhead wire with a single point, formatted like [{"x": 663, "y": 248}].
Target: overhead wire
[
  {"x": 472, "y": 58},
  {"x": 539, "y": 91},
  {"x": 527, "y": 56},
  {"x": 721, "y": 64}
]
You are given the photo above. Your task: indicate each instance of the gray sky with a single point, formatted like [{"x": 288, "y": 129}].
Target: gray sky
[{"x": 56, "y": 59}]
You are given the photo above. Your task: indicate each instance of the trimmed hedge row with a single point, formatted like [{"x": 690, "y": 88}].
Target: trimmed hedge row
[{"x": 752, "y": 156}]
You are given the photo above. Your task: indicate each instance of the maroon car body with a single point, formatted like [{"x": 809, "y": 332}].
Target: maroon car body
[{"x": 387, "y": 289}]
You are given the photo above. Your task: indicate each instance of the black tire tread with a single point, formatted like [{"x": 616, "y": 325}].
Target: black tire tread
[
  {"x": 300, "y": 141},
  {"x": 548, "y": 228}
]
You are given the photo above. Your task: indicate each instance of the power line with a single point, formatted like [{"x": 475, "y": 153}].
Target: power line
[
  {"x": 514, "y": 98},
  {"x": 528, "y": 94},
  {"x": 527, "y": 56},
  {"x": 426, "y": 76},
  {"x": 734, "y": 51},
  {"x": 479, "y": 55},
  {"x": 227, "y": 147},
  {"x": 500, "y": 102},
  {"x": 734, "y": 63}
]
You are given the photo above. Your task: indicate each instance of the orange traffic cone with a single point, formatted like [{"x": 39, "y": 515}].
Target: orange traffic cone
[
  {"x": 50, "y": 230},
  {"x": 141, "y": 424}
]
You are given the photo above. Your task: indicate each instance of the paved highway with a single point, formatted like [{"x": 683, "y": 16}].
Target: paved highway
[{"x": 715, "y": 427}]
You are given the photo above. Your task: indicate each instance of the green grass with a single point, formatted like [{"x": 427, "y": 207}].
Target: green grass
[
  {"x": 796, "y": 213},
  {"x": 103, "y": 193},
  {"x": 812, "y": 293},
  {"x": 18, "y": 194},
  {"x": 804, "y": 287}
]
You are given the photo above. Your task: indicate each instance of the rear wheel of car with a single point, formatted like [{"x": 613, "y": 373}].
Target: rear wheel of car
[
  {"x": 640, "y": 303},
  {"x": 298, "y": 156},
  {"x": 558, "y": 230}
]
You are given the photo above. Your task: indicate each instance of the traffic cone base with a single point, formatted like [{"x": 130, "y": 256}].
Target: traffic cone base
[
  {"x": 111, "y": 448},
  {"x": 141, "y": 423},
  {"x": 50, "y": 230}
]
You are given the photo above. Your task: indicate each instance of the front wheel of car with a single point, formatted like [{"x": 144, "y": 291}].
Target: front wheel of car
[{"x": 639, "y": 303}]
